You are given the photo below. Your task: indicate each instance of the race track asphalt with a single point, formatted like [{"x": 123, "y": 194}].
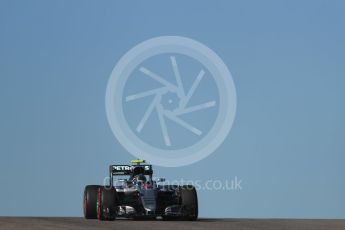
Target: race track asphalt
[{"x": 73, "y": 223}]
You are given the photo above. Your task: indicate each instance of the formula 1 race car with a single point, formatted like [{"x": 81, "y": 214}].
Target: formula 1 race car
[{"x": 139, "y": 196}]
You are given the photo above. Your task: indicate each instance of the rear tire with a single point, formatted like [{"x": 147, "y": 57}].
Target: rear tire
[
  {"x": 189, "y": 202},
  {"x": 90, "y": 201},
  {"x": 106, "y": 204}
]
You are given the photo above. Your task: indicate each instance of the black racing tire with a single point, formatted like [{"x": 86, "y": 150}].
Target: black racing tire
[
  {"x": 107, "y": 200},
  {"x": 189, "y": 202},
  {"x": 90, "y": 201}
]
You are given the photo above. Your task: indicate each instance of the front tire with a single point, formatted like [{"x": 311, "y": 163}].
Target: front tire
[{"x": 106, "y": 203}]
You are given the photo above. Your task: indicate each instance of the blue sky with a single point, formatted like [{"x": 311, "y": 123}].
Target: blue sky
[{"x": 287, "y": 142}]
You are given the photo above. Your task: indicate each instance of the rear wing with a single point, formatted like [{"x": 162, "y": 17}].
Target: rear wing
[{"x": 120, "y": 170}]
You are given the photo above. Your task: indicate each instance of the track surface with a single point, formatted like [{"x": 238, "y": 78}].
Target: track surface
[{"x": 70, "y": 223}]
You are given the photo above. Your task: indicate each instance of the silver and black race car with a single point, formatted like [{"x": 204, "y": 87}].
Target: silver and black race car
[{"x": 139, "y": 196}]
